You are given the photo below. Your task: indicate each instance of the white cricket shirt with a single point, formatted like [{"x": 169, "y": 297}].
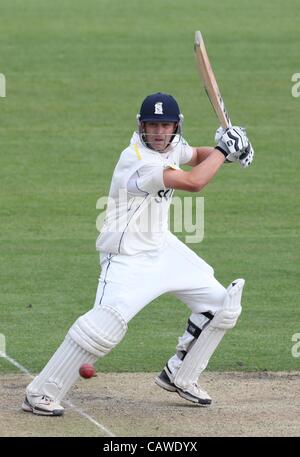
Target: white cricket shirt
[{"x": 138, "y": 205}]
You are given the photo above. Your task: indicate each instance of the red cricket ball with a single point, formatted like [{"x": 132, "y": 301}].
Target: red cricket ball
[{"x": 87, "y": 370}]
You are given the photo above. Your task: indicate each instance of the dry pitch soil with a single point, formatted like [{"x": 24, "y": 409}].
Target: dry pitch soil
[{"x": 131, "y": 405}]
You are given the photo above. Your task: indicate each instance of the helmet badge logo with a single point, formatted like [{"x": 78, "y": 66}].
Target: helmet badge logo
[{"x": 158, "y": 108}]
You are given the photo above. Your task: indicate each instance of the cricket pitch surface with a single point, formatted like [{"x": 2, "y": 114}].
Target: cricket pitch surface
[{"x": 131, "y": 405}]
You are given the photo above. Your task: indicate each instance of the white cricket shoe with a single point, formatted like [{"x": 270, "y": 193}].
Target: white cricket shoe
[
  {"x": 195, "y": 394},
  {"x": 42, "y": 405},
  {"x": 164, "y": 380}
]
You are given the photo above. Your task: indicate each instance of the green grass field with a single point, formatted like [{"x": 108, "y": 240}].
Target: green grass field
[{"x": 76, "y": 73}]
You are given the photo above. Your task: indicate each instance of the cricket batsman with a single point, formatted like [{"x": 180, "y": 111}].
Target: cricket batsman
[{"x": 141, "y": 259}]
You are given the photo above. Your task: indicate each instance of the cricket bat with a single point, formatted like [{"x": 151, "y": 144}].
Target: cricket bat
[{"x": 209, "y": 81}]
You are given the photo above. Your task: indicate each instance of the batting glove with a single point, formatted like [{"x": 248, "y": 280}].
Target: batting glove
[{"x": 232, "y": 142}]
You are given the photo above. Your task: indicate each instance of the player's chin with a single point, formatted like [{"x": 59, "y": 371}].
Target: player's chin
[{"x": 159, "y": 146}]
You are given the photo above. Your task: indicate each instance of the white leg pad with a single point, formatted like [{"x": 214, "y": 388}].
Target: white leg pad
[
  {"x": 198, "y": 356},
  {"x": 99, "y": 330},
  {"x": 185, "y": 343},
  {"x": 92, "y": 336}
]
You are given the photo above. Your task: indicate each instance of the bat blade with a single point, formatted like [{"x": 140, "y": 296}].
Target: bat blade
[{"x": 209, "y": 81}]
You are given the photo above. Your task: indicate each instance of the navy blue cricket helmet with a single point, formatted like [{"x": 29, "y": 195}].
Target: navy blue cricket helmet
[{"x": 160, "y": 107}]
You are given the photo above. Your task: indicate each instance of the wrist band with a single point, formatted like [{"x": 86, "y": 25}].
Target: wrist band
[{"x": 221, "y": 150}]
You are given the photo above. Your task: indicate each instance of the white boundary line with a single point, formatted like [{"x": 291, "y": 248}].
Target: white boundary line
[{"x": 67, "y": 402}]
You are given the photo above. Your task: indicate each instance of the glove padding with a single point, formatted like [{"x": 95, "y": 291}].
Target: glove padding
[
  {"x": 246, "y": 158},
  {"x": 232, "y": 142}
]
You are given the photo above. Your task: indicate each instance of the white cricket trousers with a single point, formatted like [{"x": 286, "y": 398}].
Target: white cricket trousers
[{"x": 128, "y": 283}]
